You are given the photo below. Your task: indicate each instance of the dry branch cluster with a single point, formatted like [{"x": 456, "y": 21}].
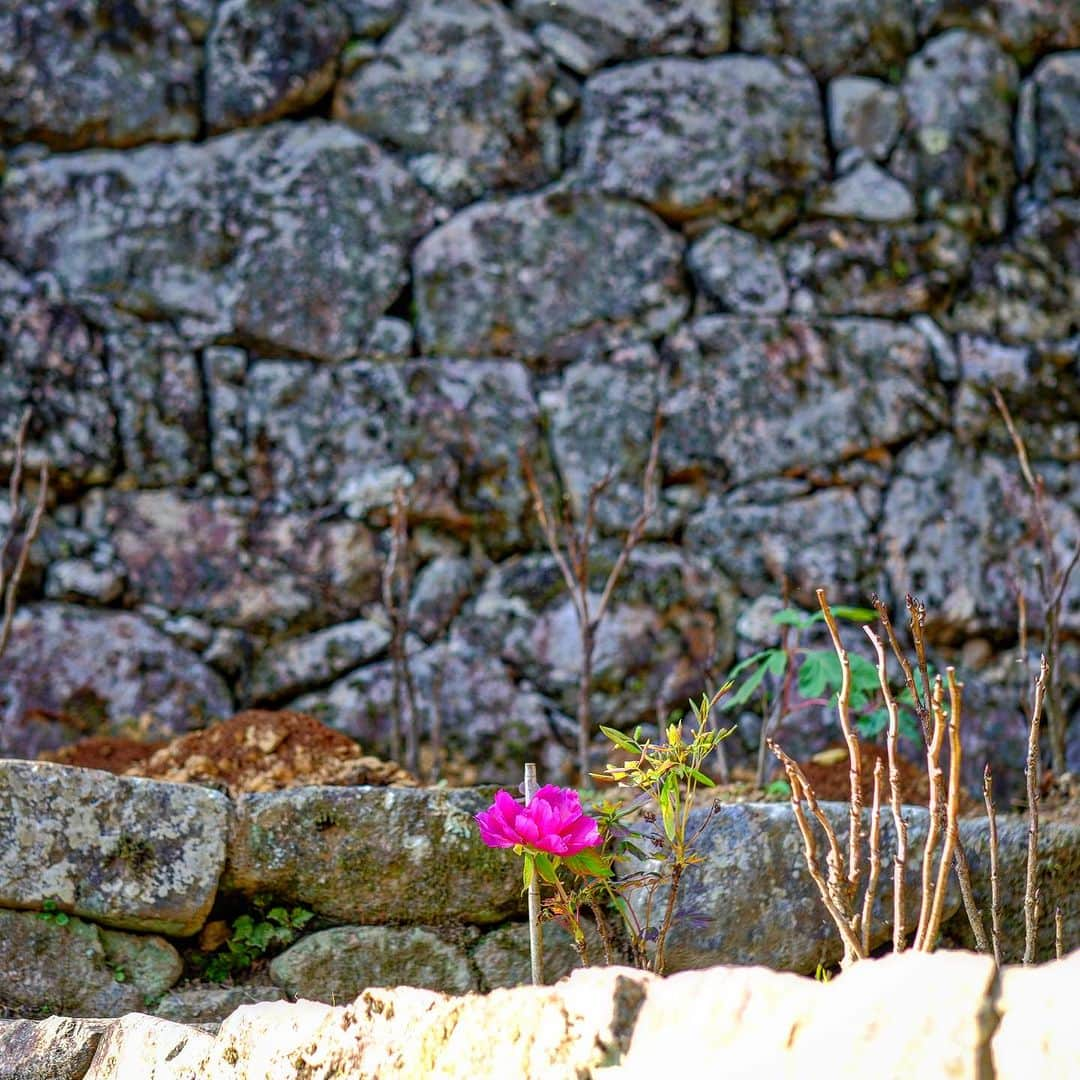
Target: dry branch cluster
[{"x": 939, "y": 705}]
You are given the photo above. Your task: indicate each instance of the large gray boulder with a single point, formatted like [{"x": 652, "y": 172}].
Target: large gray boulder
[
  {"x": 54, "y": 363},
  {"x": 832, "y": 37},
  {"x": 268, "y": 58},
  {"x": 128, "y": 853},
  {"x": 78, "y": 969},
  {"x": 156, "y": 386},
  {"x": 205, "y": 234},
  {"x": 861, "y": 268},
  {"x": 751, "y": 399},
  {"x": 953, "y": 530},
  {"x": 489, "y": 718},
  {"x": 458, "y": 81},
  {"x": 218, "y": 559},
  {"x": 956, "y": 150},
  {"x": 1051, "y": 98},
  {"x": 533, "y": 277},
  {"x": 584, "y": 34},
  {"x": 66, "y": 64},
  {"x": 373, "y": 855},
  {"x": 69, "y": 670},
  {"x": 337, "y": 965},
  {"x": 448, "y": 431},
  {"x": 739, "y": 137}
]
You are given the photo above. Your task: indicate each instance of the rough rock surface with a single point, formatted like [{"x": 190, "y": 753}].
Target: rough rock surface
[
  {"x": 584, "y": 35},
  {"x": 66, "y": 63},
  {"x": 456, "y": 81},
  {"x": 740, "y": 137},
  {"x": 78, "y": 969},
  {"x": 131, "y": 854},
  {"x": 69, "y": 670},
  {"x": 58, "y": 1048},
  {"x": 532, "y": 277},
  {"x": 268, "y": 58},
  {"x": 219, "y": 559},
  {"x": 865, "y": 37},
  {"x": 619, "y": 1023},
  {"x": 336, "y": 965},
  {"x": 368, "y": 855},
  {"x": 204, "y": 234},
  {"x": 743, "y": 901}
]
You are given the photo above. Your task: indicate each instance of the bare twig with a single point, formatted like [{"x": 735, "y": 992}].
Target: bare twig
[
  {"x": 9, "y": 586},
  {"x": 570, "y": 546},
  {"x": 1059, "y": 934},
  {"x": 933, "y": 829},
  {"x": 834, "y": 894},
  {"x": 875, "y": 857},
  {"x": 843, "y": 709},
  {"x": 995, "y": 881},
  {"x": 905, "y": 665},
  {"x": 952, "y": 810},
  {"x": 1053, "y": 579},
  {"x": 899, "y": 824},
  {"x": 1031, "y": 915}
]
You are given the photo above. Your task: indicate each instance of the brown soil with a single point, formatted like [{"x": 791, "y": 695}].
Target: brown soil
[
  {"x": 257, "y": 750},
  {"x": 113, "y": 753}
]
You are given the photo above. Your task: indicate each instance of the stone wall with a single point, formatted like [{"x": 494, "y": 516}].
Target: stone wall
[
  {"x": 108, "y": 883},
  {"x": 263, "y": 260}
]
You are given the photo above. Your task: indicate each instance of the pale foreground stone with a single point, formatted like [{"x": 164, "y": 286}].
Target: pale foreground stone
[
  {"x": 909, "y": 1015},
  {"x": 125, "y": 852},
  {"x": 1038, "y": 1034}
]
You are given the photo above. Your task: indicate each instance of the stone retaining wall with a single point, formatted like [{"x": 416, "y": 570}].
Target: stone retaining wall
[
  {"x": 263, "y": 260},
  {"x": 103, "y": 879}
]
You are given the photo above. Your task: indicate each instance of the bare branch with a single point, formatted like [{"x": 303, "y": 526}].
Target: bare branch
[
  {"x": 9, "y": 587},
  {"x": 905, "y": 665},
  {"x": 899, "y": 824},
  {"x": 1031, "y": 915},
  {"x": 933, "y": 831},
  {"x": 875, "y": 857},
  {"x": 843, "y": 709},
  {"x": 1059, "y": 934},
  {"x": 995, "y": 880}
]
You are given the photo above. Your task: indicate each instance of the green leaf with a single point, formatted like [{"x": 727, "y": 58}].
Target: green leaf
[
  {"x": 742, "y": 665},
  {"x": 819, "y": 669},
  {"x": 793, "y": 617},
  {"x": 873, "y": 724},
  {"x": 864, "y": 675},
  {"x": 777, "y": 663},
  {"x": 778, "y": 787},
  {"x": 278, "y": 915},
  {"x": 854, "y": 614},
  {"x": 746, "y": 691},
  {"x": 588, "y": 863},
  {"x": 700, "y": 777},
  {"x": 61, "y": 918},
  {"x": 527, "y": 873},
  {"x": 623, "y": 742},
  {"x": 545, "y": 867},
  {"x": 669, "y": 794}
]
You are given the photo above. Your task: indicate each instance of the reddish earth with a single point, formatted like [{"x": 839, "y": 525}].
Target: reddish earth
[{"x": 257, "y": 750}]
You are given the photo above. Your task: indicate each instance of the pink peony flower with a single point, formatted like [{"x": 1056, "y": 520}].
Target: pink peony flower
[{"x": 553, "y": 822}]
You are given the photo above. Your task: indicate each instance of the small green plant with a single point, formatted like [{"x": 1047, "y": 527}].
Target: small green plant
[
  {"x": 803, "y": 678},
  {"x": 254, "y": 936},
  {"x": 51, "y": 913},
  {"x": 668, "y": 775}
]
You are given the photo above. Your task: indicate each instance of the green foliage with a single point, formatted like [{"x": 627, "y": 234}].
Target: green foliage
[
  {"x": 267, "y": 931},
  {"x": 51, "y": 913},
  {"x": 818, "y": 676}
]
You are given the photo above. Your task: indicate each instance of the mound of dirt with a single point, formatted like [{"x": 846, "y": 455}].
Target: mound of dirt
[{"x": 257, "y": 750}]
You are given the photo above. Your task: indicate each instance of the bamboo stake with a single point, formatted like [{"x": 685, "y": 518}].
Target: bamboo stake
[{"x": 536, "y": 933}]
